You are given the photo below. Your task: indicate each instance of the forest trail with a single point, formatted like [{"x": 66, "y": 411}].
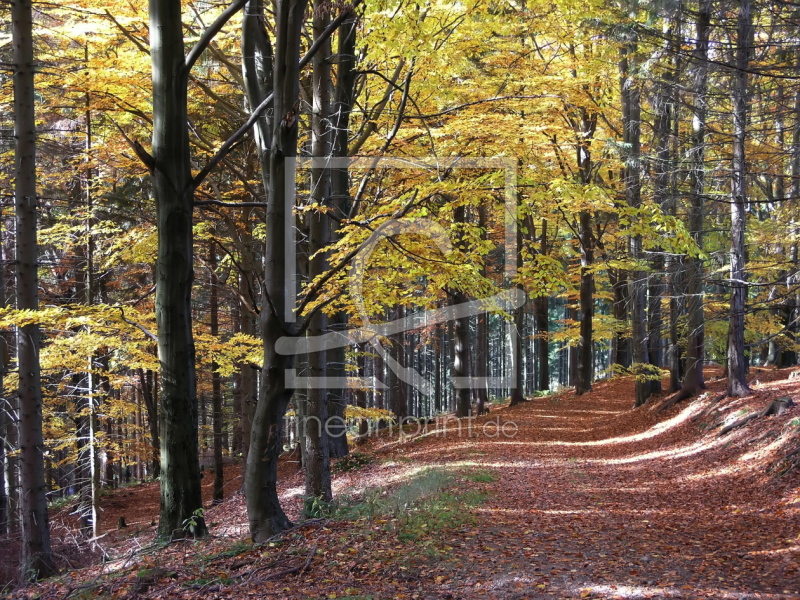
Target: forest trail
[{"x": 589, "y": 499}]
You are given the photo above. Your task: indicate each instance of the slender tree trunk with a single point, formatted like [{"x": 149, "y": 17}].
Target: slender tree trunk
[
  {"x": 657, "y": 288},
  {"x": 737, "y": 383},
  {"x": 149, "y": 389},
  {"x": 693, "y": 380},
  {"x": 216, "y": 380},
  {"x": 481, "y": 365},
  {"x": 180, "y": 468},
  {"x": 585, "y": 367},
  {"x": 461, "y": 334},
  {"x": 341, "y": 108},
  {"x": 621, "y": 343},
  {"x": 316, "y": 455},
  {"x": 264, "y": 511},
  {"x": 631, "y": 121},
  {"x": 541, "y": 309},
  {"x": 36, "y": 560}
]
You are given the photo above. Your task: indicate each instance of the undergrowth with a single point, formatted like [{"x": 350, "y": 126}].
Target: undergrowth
[{"x": 421, "y": 509}]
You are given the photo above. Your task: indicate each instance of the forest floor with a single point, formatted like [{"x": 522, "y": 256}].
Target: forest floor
[{"x": 590, "y": 499}]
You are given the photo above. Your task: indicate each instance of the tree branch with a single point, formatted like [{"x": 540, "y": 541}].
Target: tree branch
[
  {"x": 256, "y": 114},
  {"x": 209, "y": 34}
]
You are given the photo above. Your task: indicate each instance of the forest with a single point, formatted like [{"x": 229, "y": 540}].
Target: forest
[{"x": 400, "y": 299}]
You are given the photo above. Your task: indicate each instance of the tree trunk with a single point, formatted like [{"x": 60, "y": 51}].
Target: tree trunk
[
  {"x": 265, "y": 515},
  {"x": 737, "y": 367},
  {"x": 36, "y": 560},
  {"x": 631, "y": 117},
  {"x": 216, "y": 380},
  {"x": 174, "y": 193},
  {"x": 662, "y": 129},
  {"x": 149, "y": 387},
  {"x": 516, "y": 335},
  {"x": 316, "y": 455},
  {"x": 693, "y": 380},
  {"x": 342, "y": 106},
  {"x": 585, "y": 367},
  {"x": 481, "y": 365},
  {"x": 621, "y": 343}
]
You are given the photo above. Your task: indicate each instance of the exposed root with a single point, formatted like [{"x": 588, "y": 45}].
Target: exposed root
[{"x": 776, "y": 407}]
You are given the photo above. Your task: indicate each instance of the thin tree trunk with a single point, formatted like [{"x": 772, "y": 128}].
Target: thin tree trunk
[
  {"x": 631, "y": 116},
  {"x": 737, "y": 383},
  {"x": 693, "y": 380},
  {"x": 216, "y": 379},
  {"x": 37, "y": 559},
  {"x": 316, "y": 455},
  {"x": 585, "y": 367},
  {"x": 265, "y": 515}
]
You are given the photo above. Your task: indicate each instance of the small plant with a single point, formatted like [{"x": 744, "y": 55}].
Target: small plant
[
  {"x": 194, "y": 523},
  {"x": 352, "y": 462},
  {"x": 315, "y": 507}
]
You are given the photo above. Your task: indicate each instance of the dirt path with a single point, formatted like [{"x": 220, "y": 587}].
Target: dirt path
[
  {"x": 588, "y": 499},
  {"x": 595, "y": 501}
]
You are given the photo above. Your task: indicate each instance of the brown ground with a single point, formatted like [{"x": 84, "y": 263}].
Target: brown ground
[{"x": 589, "y": 500}]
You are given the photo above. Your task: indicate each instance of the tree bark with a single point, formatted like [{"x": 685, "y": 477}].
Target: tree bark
[
  {"x": 265, "y": 515},
  {"x": 37, "y": 559},
  {"x": 316, "y": 454},
  {"x": 174, "y": 193},
  {"x": 585, "y": 367},
  {"x": 737, "y": 367},
  {"x": 631, "y": 122},
  {"x": 693, "y": 380},
  {"x": 216, "y": 380}
]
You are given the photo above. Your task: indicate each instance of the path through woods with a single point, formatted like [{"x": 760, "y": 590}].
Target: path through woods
[{"x": 589, "y": 500}]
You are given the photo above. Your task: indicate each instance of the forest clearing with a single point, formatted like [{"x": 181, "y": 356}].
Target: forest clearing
[{"x": 592, "y": 499}]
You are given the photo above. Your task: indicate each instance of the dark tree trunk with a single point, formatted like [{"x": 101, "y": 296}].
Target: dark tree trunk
[
  {"x": 266, "y": 517},
  {"x": 621, "y": 343},
  {"x": 216, "y": 380},
  {"x": 737, "y": 366},
  {"x": 517, "y": 337},
  {"x": 662, "y": 129},
  {"x": 181, "y": 496},
  {"x": 36, "y": 557},
  {"x": 693, "y": 380},
  {"x": 584, "y": 372},
  {"x": 341, "y": 108},
  {"x": 462, "y": 369},
  {"x": 149, "y": 387},
  {"x": 481, "y": 366},
  {"x": 316, "y": 454},
  {"x": 631, "y": 116},
  {"x": 585, "y": 367}
]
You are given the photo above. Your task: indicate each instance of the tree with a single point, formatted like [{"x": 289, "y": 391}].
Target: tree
[
  {"x": 737, "y": 366},
  {"x": 631, "y": 123},
  {"x": 263, "y": 507},
  {"x": 173, "y": 188},
  {"x": 37, "y": 560}
]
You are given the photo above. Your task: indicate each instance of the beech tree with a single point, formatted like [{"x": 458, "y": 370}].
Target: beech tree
[
  {"x": 737, "y": 384},
  {"x": 173, "y": 188}
]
